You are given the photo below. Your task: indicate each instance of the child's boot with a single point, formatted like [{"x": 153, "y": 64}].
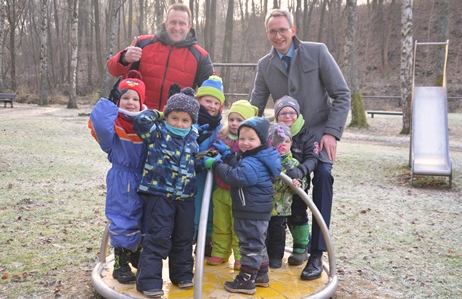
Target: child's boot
[
  {"x": 262, "y": 279},
  {"x": 134, "y": 257},
  {"x": 244, "y": 282},
  {"x": 208, "y": 246},
  {"x": 122, "y": 271},
  {"x": 300, "y": 235}
]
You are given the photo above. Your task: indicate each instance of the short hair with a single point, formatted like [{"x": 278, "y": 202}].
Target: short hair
[
  {"x": 180, "y": 7},
  {"x": 280, "y": 13}
]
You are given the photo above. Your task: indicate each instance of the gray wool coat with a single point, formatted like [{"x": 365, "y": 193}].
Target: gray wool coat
[{"x": 315, "y": 81}]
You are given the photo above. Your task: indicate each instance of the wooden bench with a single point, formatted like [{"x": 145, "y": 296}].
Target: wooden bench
[
  {"x": 7, "y": 98},
  {"x": 384, "y": 112}
]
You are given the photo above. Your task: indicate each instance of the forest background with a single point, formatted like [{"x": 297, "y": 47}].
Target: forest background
[{"x": 42, "y": 63}]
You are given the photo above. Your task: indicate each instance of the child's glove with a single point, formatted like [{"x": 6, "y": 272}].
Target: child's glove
[
  {"x": 174, "y": 89},
  {"x": 203, "y": 133},
  {"x": 224, "y": 150},
  {"x": 210, "y": 161},
  {"x": 157, "y": 115},
  {"x": 278, "y": 135},
  {"x": 115, "y": 94},
  {"x": 295, "y": 173}
]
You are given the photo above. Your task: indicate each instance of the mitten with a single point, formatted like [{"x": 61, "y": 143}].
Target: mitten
[
  {"x": 202, "y": 129},
  {"x": 222, "y": 148},
  {"x": 174, "y": 89},
  {"x": 295, "y": 173},
  {"x": 278, "y": 136},
  {"x": 157, "y": 115},
  {"x": 115, "y": 94},
  {"x": 210, "y": 161}
]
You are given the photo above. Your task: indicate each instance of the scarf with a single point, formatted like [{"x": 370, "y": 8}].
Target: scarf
[
  {"x": 123, "y": 127},
  {"x": 206, "y": 118}
]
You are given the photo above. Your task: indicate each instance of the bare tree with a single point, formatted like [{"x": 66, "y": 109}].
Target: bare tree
[
  {"x": 106, "y": 84},
  {"x": 74, "y": 55},
  {"x": 228, "y": 41},
  {"x": 358, "y": 115},
  {"x": 14, "y": 11},
  {"x": 443, "y": 36},
  {"x": 44, "y": 55},
  {"x": 2, "y": 26},
  {"x": 406, "y": 64},
  {"x": 307, "y": 18},
  {"x": 323, "y": 4}
]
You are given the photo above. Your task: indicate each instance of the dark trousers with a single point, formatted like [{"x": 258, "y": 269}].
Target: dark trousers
[
  {"x": 276, "y": 237},
  {"x": 169, "y": 234},
  {"x": 323, "y": 182},
  {"x": 252, "y": 236}
]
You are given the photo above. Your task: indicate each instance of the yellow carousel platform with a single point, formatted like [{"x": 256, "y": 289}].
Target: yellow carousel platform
[{"x": 285, "y": 282}]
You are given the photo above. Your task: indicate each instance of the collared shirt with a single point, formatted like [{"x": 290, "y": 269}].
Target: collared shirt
[{"x": 290, "y": 54}]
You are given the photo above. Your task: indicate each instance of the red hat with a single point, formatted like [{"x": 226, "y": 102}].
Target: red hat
[{"x": 134, "y": 82}]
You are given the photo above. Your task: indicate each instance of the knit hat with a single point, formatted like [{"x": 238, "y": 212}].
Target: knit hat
[
  {"x": 244, "y": 109},
  {"x": 278, "y": 134},
  {"x": 134, "y": 82},
  {"x": 259, "y": 124},
  {"x": 213, "y": 86},
  {"x": 286, "y": 101},
  {"x": 183, "y": 101}
]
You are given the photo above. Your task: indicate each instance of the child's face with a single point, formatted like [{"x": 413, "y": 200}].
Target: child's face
[
  {"x": 130, "y": 101},
  {"x": 234, "y": 120},
  {"x": 287, "y": 115},
  {"x": 210, "y": 103},
  {"x": 248, "y": 139},
  {"x": 179, "y": 119},
  {"x": 284, "y": 147}
]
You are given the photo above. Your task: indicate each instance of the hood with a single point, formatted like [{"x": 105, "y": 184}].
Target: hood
[{"x": 271, "y": 158}]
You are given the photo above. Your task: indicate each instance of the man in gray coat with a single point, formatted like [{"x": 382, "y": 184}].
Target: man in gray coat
[{"x": 307, "y": 72}]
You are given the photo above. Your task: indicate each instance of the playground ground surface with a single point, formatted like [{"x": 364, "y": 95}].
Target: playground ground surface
[{"x": 391, "y": 240}]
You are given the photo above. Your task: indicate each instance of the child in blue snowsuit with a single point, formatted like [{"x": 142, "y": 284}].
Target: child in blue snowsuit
[
  {"x": 250, "y": 175},
  {"x": 124, "y": 207},
  {"x": 168, "y": 187}
]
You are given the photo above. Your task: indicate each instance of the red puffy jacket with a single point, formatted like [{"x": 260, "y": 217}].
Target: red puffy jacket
[{"x": 162, "y": 64}]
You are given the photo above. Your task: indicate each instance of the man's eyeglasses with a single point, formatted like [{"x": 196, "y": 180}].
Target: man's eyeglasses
[
  {"x": 291, "y": 114},
  {"x": 281, "y": 31}
]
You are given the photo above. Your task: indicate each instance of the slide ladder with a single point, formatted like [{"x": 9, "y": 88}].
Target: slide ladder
[{"x": 429, "y": 138}]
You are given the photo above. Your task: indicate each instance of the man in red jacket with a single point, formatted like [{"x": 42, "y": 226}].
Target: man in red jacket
[{"x": 170, "y": 56}]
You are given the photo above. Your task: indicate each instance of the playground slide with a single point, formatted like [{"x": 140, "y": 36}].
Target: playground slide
[{"x": 430, "y": 144}]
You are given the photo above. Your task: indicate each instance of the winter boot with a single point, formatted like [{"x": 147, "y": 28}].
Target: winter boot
[
  {"x": 208, "y": 246},
  {"x": 262, "y": 279},
  {"x": 122, "y": 271},
  {"x": 243, "y": 283},
  {"x": 300, "y": 235},
  {"x": 134, "y": 257}
]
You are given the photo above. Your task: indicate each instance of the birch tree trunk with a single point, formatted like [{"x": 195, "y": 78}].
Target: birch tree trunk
[
  {"x": 44, "y": 55},
  {"x": 74, "y": 55},
  {"x": 406, "y": 64},
  {"x": 358, "y": 115}
]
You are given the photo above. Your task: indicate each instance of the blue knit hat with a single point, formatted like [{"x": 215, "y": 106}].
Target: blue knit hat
[
  {"x": 259, "y": 124},
  {"x": 213, "y": 86},
  {"x": 183, "y": 101}
]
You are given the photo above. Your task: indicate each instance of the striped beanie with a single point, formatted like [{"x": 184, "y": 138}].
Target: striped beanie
[{"x": 213, "y": 86}]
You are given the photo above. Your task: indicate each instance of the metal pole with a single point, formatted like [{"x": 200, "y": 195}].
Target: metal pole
[{"x": 200, "y": 245}]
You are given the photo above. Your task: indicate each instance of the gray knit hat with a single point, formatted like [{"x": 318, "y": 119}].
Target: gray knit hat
[
  {"x": 183, "y": 101},
  {"x": 259, "y": 124},
  {"x": 286, "y": 101}
]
